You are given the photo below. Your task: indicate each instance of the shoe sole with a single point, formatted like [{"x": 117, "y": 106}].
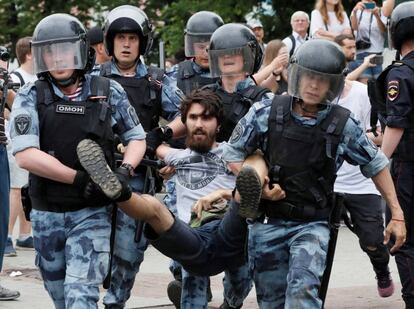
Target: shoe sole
[
  {"x": 174, "y": 293},
  {"x": 10, "y": 254},
  {"x": 9, "y": 298},
  {"x": 93, "y": 161},
  {"x": 24, "y": 248},
  {"x": 250, "y": 189}
]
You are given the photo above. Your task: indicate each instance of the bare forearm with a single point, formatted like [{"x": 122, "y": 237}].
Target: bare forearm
[
  {"x": 387, "y": 7},
  {"x": 134, "y": 152},
  {"x": 178, "y": 127},
  {"x": 392, "y": 137},
  {"x": 355, "y": 74},
  {"x": 45, "y": 165},
  {"x": 385, "y": 186}
]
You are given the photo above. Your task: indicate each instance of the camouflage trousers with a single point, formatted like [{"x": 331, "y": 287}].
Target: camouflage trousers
[
  {"x": 72, "y": 253},
  {"x": 237, "y": 284},
  {"x": 288, "y": 259},
  {"x": 170, "y": 198},
  {"x": 127, "y": 256}
]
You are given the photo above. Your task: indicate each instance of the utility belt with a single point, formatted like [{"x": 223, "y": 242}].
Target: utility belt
[{"x": 286, "y": 210}]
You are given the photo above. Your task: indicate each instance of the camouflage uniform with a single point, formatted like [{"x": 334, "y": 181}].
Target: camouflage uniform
[
  {"x": 288, "y": 257},
  {"x": 128, "y": 253},
  {"x": 72, "y": 247}
]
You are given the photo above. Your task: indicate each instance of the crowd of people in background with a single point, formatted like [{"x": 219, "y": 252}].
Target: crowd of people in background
[{"x": 224, "y": 90}]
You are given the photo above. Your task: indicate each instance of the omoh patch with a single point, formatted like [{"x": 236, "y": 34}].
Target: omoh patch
[
  {"x": 393, "y": 90},
  {"x": 237, "y": 133},
  {"x": 22, "y": 124}
]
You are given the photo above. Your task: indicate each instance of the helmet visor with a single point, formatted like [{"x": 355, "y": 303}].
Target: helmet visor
[
  {"x": 196, "y": 45},
  {"x": 59, "y": 56},
  {"x": 313, "y": 86},
  {"x": 233, "y": 61}
]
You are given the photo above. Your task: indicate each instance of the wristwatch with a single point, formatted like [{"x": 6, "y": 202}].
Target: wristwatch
[{"x": 129, "y": 168}]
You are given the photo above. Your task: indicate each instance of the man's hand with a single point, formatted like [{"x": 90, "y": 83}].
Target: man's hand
[
  {"x": 367, "y": 63},
  {"x": 166, "y": 172},
  {"x": 396, "y": 228},
  {"x": 206, "y": 202},
  {"x": 272, "y": 192}
]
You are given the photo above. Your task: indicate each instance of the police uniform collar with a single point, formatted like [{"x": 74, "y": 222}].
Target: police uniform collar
[
  {"x": 140, "y": 70},
  {"x": 410, "y": 55},
  {"x": 198, "y": 69}
]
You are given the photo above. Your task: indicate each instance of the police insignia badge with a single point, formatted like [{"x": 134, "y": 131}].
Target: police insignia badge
[
  {"x": 22, "y": 124},
  {"x": 393, "y": 90},
  {"x": 237, "y": 133}
]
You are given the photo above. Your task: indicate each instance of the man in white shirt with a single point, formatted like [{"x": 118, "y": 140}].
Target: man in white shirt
[
  {"x": 360, "y": 196},
  {"x": 300, "y": 25}
]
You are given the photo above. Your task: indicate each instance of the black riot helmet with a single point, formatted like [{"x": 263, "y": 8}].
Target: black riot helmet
[
  {"x": 401, "y": 26},
  {"x": 59, "y": 43},
  {"x": 199, "y": 29},
  {"x": 319, "y": 59},
  {"x": 128, "y": 19},
  {"x": 234, "y": 39}
]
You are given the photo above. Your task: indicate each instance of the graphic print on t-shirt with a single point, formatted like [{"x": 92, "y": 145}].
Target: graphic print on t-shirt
[{"x": 209, "y": 166}]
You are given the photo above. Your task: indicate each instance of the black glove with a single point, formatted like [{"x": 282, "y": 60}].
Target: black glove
[
  {"x": 94, "y": 194},
  {"x": 155, "y": 138},
  {"x": 123, "y": 175},
  {"x": 81, "y": 180}
]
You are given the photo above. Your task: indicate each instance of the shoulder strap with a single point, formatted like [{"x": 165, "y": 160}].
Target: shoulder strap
[
  {"x": 254, "y": 93},
  {"x": 43, "y": 92},
  {"x": 100, "y": 86},
  {"x": 333, "y": 125},
  {"x": 292, "y": 50},
  {"x": 185, "y": 69},
  {"x": 279, "y": 111},
  {"x": 19, "y": 76},
  {"x": 105, "y": 69}
]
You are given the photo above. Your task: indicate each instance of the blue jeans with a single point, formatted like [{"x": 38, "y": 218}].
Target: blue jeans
[
  {"x": 72, "y": 253},
  {"x": 288, "y": 259},
  {"x": 4, "y": 200},
  {"x": 127, "y": 256}
]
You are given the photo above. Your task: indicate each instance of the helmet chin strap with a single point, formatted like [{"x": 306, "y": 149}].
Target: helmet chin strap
[{"x": 66, "y": 82}]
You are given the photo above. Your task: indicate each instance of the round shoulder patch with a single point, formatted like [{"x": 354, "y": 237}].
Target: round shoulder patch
[
  {"x": 237, "y": 133},
  {"x": 22, "y": 124},
  {"x": 393, "y": 90}
]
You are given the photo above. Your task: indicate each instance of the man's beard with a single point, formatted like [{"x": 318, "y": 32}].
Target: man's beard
[{"x": 202, "y": 146}]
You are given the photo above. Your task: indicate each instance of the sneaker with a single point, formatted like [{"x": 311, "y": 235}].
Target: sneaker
[
  {"x": 6, "y": 294},
  {"x": 250, "y": 189},
  {"x": 174, "y": 293},
  {"x": 225, "y": 305},
  {"x": 385, "y": 285},
  {"x": 9, "y": 249},
  {"x": 26, "y": 244},
  {"x": 92, "y": 158}
]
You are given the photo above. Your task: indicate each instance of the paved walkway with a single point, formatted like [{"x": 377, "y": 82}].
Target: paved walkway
[{"x": 352, "y": 283}]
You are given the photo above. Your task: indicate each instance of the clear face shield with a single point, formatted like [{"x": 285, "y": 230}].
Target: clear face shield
[
  {"x": 196, "y": 45},
  {"x": 58, "y": 56},
  {"x": 314, "y": 87},
  {"x": 234, "y": 61}
]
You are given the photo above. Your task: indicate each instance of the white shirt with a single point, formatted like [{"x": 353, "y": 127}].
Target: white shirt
[
  {"x": 333, "y": 26},
  {"x": 299, "y": 41},
  {"x": 28, "y": 78},
  {"x": 377, "y": 38},
  {"x": 349, "y": 177}
]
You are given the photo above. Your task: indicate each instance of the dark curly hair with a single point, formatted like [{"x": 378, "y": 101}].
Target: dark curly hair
[{"x": 208, "y": 99}]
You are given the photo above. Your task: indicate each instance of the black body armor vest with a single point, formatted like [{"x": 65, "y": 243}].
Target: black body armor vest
[
  {"x": 188, "y": 79},
  {"x": 235, "y": 106},
  {"x": 63, "y": 124},
  {"x": 144, "y": 93},
  {"x": 302, "y": 160}
]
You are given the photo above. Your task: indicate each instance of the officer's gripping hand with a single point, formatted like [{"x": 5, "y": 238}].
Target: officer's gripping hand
[
  {"x": 155, "y": 138},
  {"x": 272, "y": 192},
  {"x": 398, "y": 229},
  {"x": 89, "y": 190},
  {"x": 123, "y": 176}
]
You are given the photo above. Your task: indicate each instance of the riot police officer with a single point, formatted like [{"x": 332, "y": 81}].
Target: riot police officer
[
  {"x": 127, "y": 37},
  {"x": 195, "y": 72},
  {"x": 70, "y": 217},
  {"x": 396, "y": 83},
  {"x": 304, "y": 139}
]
